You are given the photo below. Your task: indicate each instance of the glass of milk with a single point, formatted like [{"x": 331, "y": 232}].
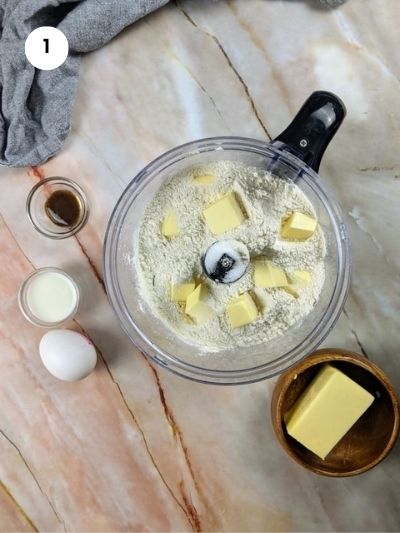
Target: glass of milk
[{"x": 49, "y": 297}]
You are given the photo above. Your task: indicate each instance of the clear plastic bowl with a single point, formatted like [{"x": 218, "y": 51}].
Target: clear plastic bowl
[{"x": 153, "y": 337}]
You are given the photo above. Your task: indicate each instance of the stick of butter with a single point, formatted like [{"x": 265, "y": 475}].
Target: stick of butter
[
  {"x": 169, "y": 226},
  {"x": 204, "y": 179},
  {"x": 326, "y": 410},
  {"x": 180, "y": 291},
  {"x": 298, "y": 227},
  {"x": 196, "y": 308},
  {"x": 299, "y": 279},
  {"x": 241, "y": 310},
  {"x": 225, "y": 214},
  {"x": 267, "y": 275}
]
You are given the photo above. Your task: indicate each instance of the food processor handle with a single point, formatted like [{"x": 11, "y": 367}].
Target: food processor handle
[{"x": 313, "y": 128}]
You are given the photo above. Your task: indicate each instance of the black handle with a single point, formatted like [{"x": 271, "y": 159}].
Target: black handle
[{"x": 313, "y": 128}]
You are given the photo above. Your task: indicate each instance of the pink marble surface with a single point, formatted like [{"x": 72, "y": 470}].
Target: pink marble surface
[{"x": 132, "y": 447}]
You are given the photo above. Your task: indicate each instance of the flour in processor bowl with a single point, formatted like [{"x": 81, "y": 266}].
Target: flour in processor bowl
[{"x": 174, "y": 235}]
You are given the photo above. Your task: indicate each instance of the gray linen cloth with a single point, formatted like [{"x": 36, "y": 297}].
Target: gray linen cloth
[{"x": 35, "y": 105}]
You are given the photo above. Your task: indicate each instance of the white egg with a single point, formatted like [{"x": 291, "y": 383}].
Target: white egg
[{"x": 67, "y": 355}]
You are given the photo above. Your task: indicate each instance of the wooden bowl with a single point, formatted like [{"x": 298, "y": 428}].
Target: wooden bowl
[{"x": 371, "y": 438}]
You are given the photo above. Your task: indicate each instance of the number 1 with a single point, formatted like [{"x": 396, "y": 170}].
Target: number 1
[{"x": 46, "y": 48}]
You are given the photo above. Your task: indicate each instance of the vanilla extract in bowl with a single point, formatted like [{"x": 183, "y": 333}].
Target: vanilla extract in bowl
[
  {"x": 57, "y": 207},
  {"x": 64, "y": 208}
]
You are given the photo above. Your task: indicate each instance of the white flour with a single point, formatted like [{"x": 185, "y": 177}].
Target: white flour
[{"x": 266, "y": 200}]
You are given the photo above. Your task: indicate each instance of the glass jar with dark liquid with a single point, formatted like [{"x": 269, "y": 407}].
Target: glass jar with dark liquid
[
  {"x": 57, "y": 207},
  {"x": 64, "y": 208}
]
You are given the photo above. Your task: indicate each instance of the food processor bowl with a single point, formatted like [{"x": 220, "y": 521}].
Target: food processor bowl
[{"x": 252, "y": 363}]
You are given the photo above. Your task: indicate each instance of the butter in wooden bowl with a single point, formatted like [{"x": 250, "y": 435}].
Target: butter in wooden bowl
[
  {"x": 335, "y": 413},
  {"x": 326, "y": 410}
]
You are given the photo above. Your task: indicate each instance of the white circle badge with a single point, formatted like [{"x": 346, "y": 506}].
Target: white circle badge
[{"x": 46, "y": 48}]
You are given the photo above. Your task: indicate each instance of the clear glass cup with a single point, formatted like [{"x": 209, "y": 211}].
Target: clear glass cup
[
  {"x": 27, "y": 309},
  {"x": 153, "y": 337},
  {"x": 35, "y": 207}
]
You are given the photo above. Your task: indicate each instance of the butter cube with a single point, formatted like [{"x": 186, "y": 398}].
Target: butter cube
[
  {"x": 326, "y": 410},
  {"x": 180, "y": 291},
  {"x": 242, "y": 310},
  {"x": 196, "y": 308},
  {"x": 301, "y": 277},
  {"x": 225, "y": 214},
  {"x": 267, "y": 275},
  {"x": 298, "y": 227},
  {"x": 169, "y": 226},
  {"x": 298, "y": 280},
  {"x": 204, "y": 179}
]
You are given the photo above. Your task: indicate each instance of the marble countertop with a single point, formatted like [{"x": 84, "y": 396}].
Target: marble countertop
[{"x": 133, "y": 447}]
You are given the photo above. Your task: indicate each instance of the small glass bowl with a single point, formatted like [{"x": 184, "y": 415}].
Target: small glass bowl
[
  {"x": 35, "y": 207},
  {"x": 23, "y": 299}
]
